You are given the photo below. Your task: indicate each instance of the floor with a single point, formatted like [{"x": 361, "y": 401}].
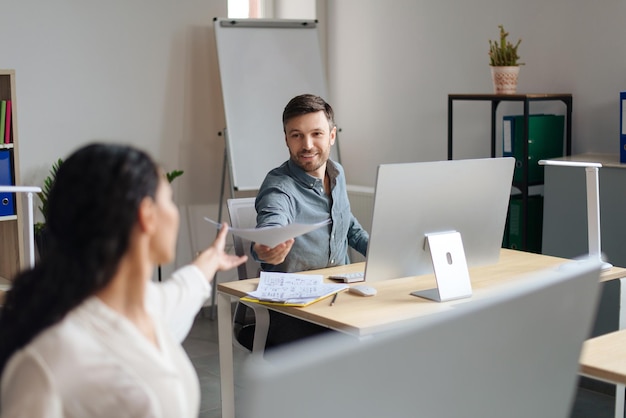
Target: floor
[{"x": 201, "y": 346}]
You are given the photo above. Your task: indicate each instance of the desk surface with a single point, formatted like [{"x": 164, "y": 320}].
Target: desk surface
[
  {"x": 603, "y": 357},
  {"x": 394, "y": 304},
  {"x": 607, "y": 160}
]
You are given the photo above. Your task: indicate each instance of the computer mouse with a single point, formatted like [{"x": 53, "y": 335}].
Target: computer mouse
[{"x": 362, "y": 290}]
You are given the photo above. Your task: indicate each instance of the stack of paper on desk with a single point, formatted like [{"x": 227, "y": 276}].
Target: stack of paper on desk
[{"x": 288, "y": 289}]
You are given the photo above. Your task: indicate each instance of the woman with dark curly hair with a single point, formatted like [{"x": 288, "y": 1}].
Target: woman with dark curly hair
[{"x": 86, "y": 333}]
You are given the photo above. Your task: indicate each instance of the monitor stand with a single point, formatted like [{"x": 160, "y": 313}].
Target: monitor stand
[{"x": 451, "y": 273}]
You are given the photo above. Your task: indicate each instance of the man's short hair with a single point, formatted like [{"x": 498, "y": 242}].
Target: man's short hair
[{"x": 308, "y": 103}]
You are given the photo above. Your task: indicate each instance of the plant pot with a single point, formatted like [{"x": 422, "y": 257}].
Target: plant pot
[{"x": 504, "y": 79}]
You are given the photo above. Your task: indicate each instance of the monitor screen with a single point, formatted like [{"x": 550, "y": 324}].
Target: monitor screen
[{"x": 414, "y": 199}]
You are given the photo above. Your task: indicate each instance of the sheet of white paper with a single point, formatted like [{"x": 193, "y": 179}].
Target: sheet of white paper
[
  {"x": 292, "y": 288},
  {"x": 272, "y": 235}
]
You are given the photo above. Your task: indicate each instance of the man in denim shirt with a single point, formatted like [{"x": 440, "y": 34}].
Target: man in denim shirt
[{"x": 308, "y": 188}]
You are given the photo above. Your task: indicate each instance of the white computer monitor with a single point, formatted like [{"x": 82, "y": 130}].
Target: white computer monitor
[{"x": 414, "y": 199}]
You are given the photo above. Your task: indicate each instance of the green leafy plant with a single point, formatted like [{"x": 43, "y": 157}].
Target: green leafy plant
[
  {"x": 503, "y": 54},
  {"x": 49, "y": 181},
  {"x": 45, "y": 192},
  {"x": 173, "y": 174}
]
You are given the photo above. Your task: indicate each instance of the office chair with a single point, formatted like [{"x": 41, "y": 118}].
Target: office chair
[
  {"x": 250, "y": 322},
  {"x": 243, "y": 215}
]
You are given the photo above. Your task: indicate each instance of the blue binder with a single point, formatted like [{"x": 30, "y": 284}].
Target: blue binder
[
  {"x": 508, "y": 135},
  {"x": 622, "y": 127},
  {"x": 7, "y": 203}
]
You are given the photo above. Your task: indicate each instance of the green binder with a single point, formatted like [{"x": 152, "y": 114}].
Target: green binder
[
  {"x": 515, "y": 225},
  {"x": 545, "y": 141}
]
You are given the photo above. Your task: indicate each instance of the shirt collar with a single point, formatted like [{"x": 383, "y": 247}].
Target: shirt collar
[{"x": 302, "y": 176}]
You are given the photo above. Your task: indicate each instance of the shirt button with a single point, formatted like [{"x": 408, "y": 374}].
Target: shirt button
[
  {"x": 322, "y": 189},
  {"x": 332, "y": 261}
]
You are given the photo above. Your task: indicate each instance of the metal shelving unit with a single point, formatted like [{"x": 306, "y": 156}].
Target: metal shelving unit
[{"x": 526, "y": 100}]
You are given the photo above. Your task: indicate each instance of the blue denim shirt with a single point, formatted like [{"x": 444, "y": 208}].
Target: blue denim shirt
[{"x": 290, "y": 195}]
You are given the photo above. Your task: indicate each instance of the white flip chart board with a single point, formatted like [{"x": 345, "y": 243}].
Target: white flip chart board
[{"x": 263, "y": 64}]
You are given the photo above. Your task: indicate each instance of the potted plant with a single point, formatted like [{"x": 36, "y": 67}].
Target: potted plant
[
  {"x": 40, "y": 227},
  {"x": 503, "y": 60}
]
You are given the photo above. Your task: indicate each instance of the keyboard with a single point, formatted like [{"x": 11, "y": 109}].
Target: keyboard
[{"x": 358, "y": 276}]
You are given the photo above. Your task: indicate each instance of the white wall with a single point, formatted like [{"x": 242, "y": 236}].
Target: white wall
[
  {"x": 393, "y": 63},
  {"x": 145, "y": 72},
  {"x": 294, "y": 9},
  {"x": 142, "y": 72}
]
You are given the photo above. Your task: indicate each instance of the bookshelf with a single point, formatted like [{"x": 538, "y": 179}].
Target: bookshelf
[
  {"x": 523, "y": 184},
  {"x": 12, "y": 254}
]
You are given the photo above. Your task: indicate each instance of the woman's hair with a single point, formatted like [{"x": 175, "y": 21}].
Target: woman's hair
[
  {"x": 93, "y": 206},
  {"x": 308, "y": 103}
]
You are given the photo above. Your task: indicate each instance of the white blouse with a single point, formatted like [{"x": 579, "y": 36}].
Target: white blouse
[{"x": 95, "y": 363}]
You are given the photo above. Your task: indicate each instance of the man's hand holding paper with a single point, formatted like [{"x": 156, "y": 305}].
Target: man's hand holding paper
[{"x": 275, "y": 255}]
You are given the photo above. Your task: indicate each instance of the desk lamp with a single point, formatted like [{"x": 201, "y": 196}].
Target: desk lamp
[{"x": 593, "y": 205}]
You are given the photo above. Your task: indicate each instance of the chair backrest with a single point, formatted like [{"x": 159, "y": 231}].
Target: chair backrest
[{"x": 243, "y": 215}]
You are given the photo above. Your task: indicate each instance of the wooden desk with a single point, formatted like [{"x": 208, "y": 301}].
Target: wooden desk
[
  {"x": 604, "y": 358},
  {"x": 391, "y": 307}
]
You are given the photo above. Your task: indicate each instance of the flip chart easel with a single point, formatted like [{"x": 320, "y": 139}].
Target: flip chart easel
[{"x": 263, "y": 64}]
